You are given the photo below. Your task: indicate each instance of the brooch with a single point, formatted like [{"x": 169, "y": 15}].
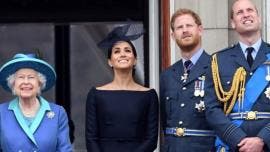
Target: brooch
[
  {"x": 50, "y": 114},
  {"x": 199, "y": 87},
  {"x": 200, "y": 106}
]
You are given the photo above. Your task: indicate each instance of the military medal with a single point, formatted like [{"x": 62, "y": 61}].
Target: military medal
[
  {"x": 267, "y": 77},
  {"x": 199, "y": 87},
  {"x": 196, "y": 93},
  {"x": 184, "y": 77},
  {"x": 267, "y": 92},
  {"x": 200, "y": 106},
  {"x": 202, "y": 78},
  {"x": 187, "y": 66},
  {"x": 202, "y": 93}
]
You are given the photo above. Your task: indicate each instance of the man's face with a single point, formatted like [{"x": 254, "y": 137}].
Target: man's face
[
  {"x": 245, "y": 17},
  {"x": 187, "y": 33}
]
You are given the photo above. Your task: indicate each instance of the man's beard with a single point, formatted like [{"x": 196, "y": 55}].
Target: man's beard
[{"x": 190, "y": 46}]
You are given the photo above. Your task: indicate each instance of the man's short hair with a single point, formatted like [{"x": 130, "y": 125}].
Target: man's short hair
[{"x": 185, "y": 11}]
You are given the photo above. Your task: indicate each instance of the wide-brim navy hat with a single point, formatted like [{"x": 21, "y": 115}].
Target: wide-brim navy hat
[
  {"x": 21, "y": 61},
  {"x": 128, "y": 32}
]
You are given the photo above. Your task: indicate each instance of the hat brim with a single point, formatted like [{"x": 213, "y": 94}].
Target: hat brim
[
  {"x": 120, "y": 33},
  {"x": 38, "y": 65}
]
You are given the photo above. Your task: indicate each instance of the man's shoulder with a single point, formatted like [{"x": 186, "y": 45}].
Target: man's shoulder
[
  {"x": 227, "y": 50},
  {"x": 167, "y": 72},
  {"x": 267, "y": 44},
  {"x": 173, "y": 66}
]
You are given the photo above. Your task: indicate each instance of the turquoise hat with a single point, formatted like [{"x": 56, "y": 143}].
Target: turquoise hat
[{"x": 20, "y": 61}]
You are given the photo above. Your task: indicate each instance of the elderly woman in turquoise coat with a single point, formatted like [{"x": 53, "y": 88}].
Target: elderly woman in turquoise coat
[{"x": 29, "y": 123}]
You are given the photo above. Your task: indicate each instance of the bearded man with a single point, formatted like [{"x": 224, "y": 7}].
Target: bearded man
[{"x": 183, "y": 122}]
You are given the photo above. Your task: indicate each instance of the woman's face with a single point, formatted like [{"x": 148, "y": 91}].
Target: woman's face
[
  {"x": 26, "y": 83},
  {"x": 122, "y": 56}
]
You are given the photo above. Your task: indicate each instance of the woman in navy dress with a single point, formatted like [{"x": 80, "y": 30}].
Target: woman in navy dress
[{"x": 121, "y": 116}]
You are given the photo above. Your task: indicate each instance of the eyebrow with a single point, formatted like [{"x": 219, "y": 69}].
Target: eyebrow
[{"x": 127, "y": 47}]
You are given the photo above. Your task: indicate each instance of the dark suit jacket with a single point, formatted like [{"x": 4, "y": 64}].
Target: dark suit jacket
[
  {"x": 228, "y": 61},
  {"x": 178, "y": 107}
]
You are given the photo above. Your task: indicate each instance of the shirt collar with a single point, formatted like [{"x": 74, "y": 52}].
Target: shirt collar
[
  {"x": 256, "y": 46},
  {"x": 195, "y": 57}
]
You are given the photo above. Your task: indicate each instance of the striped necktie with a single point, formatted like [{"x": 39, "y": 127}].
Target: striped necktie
[{"x": 188, "y": 64}]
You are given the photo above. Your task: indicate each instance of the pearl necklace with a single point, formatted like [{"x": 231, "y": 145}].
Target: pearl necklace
[{"x": 31, "y": 112}]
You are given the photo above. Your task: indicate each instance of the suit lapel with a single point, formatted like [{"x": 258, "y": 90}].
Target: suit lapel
[
  {"x": 260, "y": 57},
  {"x": 199, "y": 68},
  {"x": 41, "y": 113},
  {"x": 178, "y": 71},
  {"x": 19, "y": 116},
  {"x": 239, "y": 57}
]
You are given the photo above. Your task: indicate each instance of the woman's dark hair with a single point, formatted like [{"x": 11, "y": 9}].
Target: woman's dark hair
[{"x": 129, "y": 42}]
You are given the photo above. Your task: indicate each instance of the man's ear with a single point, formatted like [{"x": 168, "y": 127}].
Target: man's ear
[
  {"x": 172, "y": 35},
  {"x": 232, "y": 24},
  {"x": 200, "y": 30}
]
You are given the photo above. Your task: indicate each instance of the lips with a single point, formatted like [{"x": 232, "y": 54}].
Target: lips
[
  {"x": 123, "y": 61},
  {"x": 247, "y": 21},
  {"x": 186, "y": 36},
  {"x": 26, "y": 88}
]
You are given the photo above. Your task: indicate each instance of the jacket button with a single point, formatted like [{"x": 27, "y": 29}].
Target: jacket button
[
  {"x": 167, "y": 98},
  {"x": 184, "y": 88},
  {"x": 180, "y": 122},
  {"x": 182, "y": 105}
]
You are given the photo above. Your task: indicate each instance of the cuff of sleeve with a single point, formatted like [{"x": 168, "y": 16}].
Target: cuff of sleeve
[
  {"x": 234, "y": 136},
  {"x": 264, "y": 135}
]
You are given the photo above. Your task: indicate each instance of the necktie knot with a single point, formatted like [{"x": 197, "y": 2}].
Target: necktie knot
[
  {"x": 249, "y": 56},
  {"x": 188, "y": 64},
  {"x": 250, "y": 50}
]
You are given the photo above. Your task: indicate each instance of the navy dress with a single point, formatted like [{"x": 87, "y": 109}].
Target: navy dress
[{"x": 121, "y": 121}]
